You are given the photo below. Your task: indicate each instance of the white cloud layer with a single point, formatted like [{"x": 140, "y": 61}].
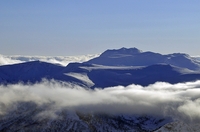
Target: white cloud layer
[
  {"x": 180, "y": 101},
  {"x": 63, "y": 60}
]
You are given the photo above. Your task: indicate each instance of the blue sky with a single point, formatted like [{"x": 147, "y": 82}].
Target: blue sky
[{"x": 49, "y": 27}]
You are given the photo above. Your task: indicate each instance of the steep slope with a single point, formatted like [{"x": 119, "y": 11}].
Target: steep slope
[{"x": 135, "y": 57}]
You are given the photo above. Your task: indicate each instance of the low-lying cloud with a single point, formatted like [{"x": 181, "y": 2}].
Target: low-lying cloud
[
  {"x": 179, "y": 101},
  {"x": 62, "y": 60}
]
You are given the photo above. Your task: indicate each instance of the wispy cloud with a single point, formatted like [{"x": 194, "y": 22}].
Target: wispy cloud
[{"x": 179, "y": 101}]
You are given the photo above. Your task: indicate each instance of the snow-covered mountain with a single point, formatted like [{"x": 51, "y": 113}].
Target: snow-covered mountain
[
  {"x": 135, "y": 57},
  {"x": 112, "y": 68},
  {"x": 90, "y": 75}
]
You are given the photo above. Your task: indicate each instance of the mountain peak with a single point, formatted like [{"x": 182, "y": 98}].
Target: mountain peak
[
  {"x": 130, "y": 50},
  {"x": 122, "y": 51}
]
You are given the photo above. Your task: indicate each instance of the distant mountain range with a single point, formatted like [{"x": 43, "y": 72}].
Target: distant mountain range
[{"x": 111, "y": 68}]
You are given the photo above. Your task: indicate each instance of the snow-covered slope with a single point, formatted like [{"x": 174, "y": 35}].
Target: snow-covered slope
[
  {"x": 29, "y": 117},
  {"x": 135, "y": 57}
]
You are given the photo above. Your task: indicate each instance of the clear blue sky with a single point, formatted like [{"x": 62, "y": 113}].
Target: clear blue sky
[{"x": 75, "y": 27}]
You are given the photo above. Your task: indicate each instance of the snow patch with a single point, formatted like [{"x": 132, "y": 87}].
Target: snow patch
[{"x": 81, "y": 76}]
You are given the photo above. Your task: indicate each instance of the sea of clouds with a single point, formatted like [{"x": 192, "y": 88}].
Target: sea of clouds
[
  {"x": 62, "y": 60},
  {"x": 179, "y": 101}
]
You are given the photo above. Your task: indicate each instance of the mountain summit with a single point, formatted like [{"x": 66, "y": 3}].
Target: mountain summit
[{"x": 121, "y": 52}]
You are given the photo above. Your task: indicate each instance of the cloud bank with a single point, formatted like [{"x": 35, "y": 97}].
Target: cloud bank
[
  {"x": 180, "y": 101},
  {"x": 62, "y": 60}
]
